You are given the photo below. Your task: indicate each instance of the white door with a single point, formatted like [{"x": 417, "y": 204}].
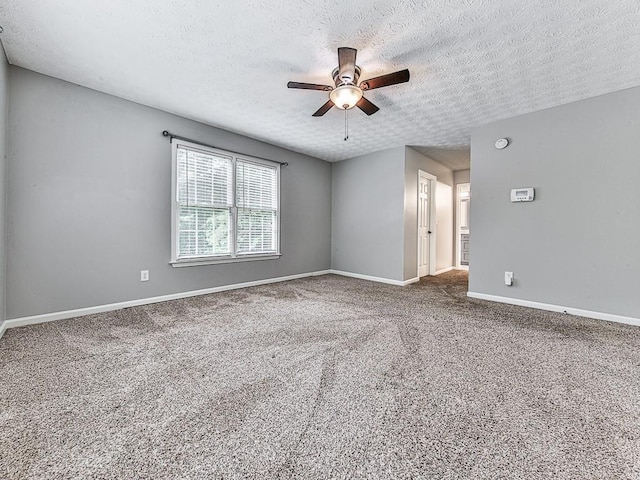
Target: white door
[{"x": 424, "y": 223}]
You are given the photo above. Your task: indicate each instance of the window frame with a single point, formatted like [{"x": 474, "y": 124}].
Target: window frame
[{"x": 233, "y": 257}]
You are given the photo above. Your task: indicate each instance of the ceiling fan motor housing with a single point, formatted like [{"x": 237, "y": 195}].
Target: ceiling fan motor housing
[{"x": 345, "y": 80}]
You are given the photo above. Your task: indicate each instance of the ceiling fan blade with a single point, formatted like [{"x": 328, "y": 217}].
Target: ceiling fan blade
[
  {"x": 347, "y": 64},
  {"x": 309, "y": 86},
  {"x": 323, "y": 109},
  {"x": 386, "y": 80},
  {"x": 366, "y": 106}
]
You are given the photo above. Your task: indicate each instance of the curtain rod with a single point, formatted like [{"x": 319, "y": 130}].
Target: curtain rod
[{"x": 171, "y": 136}]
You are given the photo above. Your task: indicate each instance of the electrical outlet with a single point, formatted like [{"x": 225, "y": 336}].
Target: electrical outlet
[
  {"x": 508, "y": 278},
  {"x": 144, "y": 275}
]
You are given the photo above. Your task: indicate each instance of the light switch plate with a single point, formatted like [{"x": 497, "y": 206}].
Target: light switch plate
[{"x": 508, "y": 278}]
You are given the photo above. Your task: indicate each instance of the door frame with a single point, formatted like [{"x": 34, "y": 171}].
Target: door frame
[{"x": 432, "y": 222}]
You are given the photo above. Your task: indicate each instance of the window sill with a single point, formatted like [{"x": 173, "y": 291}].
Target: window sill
[{"x": 194, "y": 262}]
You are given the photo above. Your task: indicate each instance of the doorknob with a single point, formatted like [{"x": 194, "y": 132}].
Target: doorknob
[{"x": 429, "y": 232}]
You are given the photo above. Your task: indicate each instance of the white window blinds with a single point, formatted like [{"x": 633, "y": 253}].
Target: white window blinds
[
  {"x": 257, "y": 202},
  {"x": 210, "y": 221},
  {"x": 205, "y": 198}
]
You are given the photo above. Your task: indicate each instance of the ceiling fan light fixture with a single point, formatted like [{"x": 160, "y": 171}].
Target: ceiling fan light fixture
[{"x": 345, "y": 97}]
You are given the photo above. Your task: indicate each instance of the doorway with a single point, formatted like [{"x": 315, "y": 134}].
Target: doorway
[
  {"x": 426, "y": 224},
  {"x": 462, "y": 225}
]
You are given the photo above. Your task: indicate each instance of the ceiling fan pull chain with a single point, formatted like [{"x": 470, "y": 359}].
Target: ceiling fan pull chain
[{"x": 346, "y": 126}]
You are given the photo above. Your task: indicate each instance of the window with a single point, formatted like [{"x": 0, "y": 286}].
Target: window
[{"x": 225, "y": 206}]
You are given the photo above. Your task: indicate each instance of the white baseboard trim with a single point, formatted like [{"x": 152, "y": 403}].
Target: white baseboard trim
[
  {"x": 3, "y": 328},
  {"x": 557, "y": 308},
  {"x": 389, "y": 281},
  {"x": 444, "y": 270},
  {"x": 50, "y": 317}
]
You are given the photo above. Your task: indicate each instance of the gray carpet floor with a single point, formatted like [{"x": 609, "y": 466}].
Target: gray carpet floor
[{"x": 325, "y": 377}]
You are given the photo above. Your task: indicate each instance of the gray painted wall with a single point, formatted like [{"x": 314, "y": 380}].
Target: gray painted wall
[
  {"x": 89, "y": 203},
  {"x": 415, "y": 161},
  {"x": 4, "y": 81},
  {"x": 367, "y": 225},
  {"x": 576, "y": 245}
]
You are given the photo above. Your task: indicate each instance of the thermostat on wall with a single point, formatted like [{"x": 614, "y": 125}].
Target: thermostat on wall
[{"x": 522, "y": 194}]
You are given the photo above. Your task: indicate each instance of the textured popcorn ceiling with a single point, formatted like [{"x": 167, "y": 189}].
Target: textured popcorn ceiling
[{"x": 227, "y": 63}]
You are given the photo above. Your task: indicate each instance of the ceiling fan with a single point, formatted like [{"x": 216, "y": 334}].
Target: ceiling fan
[{"x": 347, "y": 93}]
